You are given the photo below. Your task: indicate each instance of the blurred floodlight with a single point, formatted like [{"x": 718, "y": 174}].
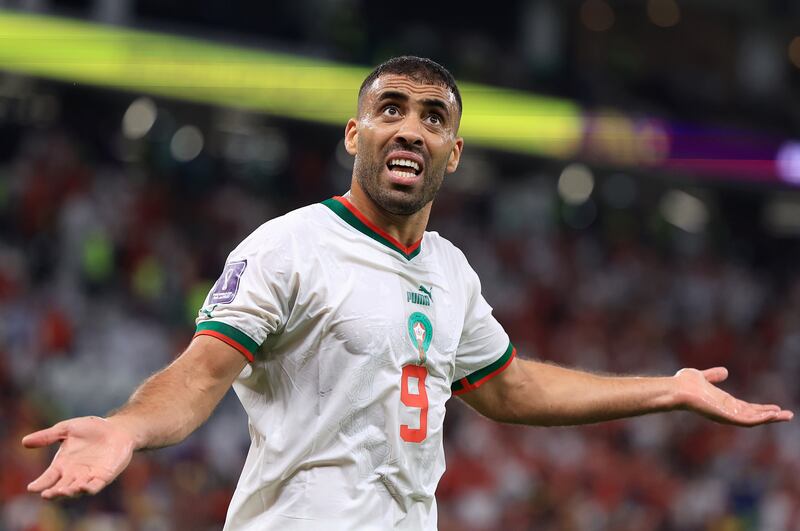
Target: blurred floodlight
[
  {"x": 270, "y": 150},
  {"x": 685, "y": 211},
  {"x": 663, "y": 13},
  {"x": 622, "y": 140},
  {"x": 265, "y": 147},
  {"x": 788, "y": 162},
  {"x": 543, "y": 42},
  {"x": 575, "y": 184},
  {"x": 525, "y": 206},
  {"x": 597, "y": 15},
  {"x": 794, "y": 51},
  {"x": 280, "y": 84},
  {"x": 620, "y": 191},
  {"x": 139, "y": 118},
  {"x": 782, "y": 215},
  {"x": 187, "y": 143},
  {"x": 760, "y": 67}
]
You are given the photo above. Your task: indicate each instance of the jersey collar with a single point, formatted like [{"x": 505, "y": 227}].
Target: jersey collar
[{"x": 353, "y": 217}]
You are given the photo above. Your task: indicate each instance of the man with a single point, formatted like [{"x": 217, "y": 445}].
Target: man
[{"x": 344, "y": 327}]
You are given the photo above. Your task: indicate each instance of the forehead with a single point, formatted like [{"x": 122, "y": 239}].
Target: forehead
[{"x": 411, "y": 88}]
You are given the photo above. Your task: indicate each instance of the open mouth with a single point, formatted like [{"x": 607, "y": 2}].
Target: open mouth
[{"x": 404, "y": 167}]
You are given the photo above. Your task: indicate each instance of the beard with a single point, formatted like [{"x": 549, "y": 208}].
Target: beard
[{"x": 395, "y": 199}]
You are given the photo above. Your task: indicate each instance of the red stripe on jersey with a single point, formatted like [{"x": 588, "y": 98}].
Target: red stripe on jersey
[
  {"x": 225, "y": 339},
  {"x": 470, "y": 386},
  {"x": 353, "y": 210}
]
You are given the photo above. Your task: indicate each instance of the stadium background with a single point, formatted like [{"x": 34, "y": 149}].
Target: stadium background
[{"x": 627, "y": 196}]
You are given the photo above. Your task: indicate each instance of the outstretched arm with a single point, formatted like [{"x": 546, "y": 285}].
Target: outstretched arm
[
  {"x": 530, "y": 392},
  {"x": 164, "y": 410}
]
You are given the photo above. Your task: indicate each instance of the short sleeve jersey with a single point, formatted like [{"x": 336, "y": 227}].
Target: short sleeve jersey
[{"x": 355, "y": 343}]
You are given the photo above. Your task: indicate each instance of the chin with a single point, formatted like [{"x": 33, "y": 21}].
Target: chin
[{"x": 401, "y": 204}]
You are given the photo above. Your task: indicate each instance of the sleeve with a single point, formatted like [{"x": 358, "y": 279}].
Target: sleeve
[
  {"x": 250, "y": 300},
  {"x": 484, "y": 350}
]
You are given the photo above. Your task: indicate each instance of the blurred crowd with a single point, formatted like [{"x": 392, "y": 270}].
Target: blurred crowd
[{"x": 104, "y": 264}]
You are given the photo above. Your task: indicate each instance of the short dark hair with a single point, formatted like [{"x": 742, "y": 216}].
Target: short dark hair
[{"x": 419, "y": 70}]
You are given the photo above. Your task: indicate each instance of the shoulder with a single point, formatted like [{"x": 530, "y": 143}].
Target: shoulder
[
  {"x": 453, "y": 262},
  {"x": 445, "y": 250},
  {"x": 305, "y": 217},
  {"x": 283, "y": 232}
]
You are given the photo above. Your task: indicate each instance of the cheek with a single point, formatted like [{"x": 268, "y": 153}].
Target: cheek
[
  {"x": 371, "y": 134},
  {"x": 368, "y": 123},
  {"x": 440, "y": 148},
  {"x": 367, "y": 154},
  {"x": 363, "y": 140}
]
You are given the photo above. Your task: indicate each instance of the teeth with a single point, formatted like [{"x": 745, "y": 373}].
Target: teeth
[
  {"x": 404, "y": 174},
  {"x": 404, "y": 162}
]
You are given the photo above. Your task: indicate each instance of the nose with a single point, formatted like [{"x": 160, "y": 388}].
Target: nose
[{"x": 410, "y": 132}]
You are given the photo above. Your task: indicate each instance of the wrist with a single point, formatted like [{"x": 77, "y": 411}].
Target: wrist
[
  {"x": 669, "y": 396},
  {"x": 679, "y": 389},
  {"x": 129, "y": 428}
]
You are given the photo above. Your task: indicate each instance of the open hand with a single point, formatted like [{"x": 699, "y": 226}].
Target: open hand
[
  {"x": 93, "y": 452},
  {"x": 697, "y": 392}
]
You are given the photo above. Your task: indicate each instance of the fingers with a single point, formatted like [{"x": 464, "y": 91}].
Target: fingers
[
  {"x": 760, "y": 417},
  {"x": 87, "y": 459},
  {"x": 95, "y": 485},
  {"x": 730, "y": 410},
  {"x": 70, "y": 487},
  {"x": 768, "y": 410},
  {"x": 46, "y": 480},
  {"x": 782, "y": 415},
  {"x": 770, "y": 417},
  {"x": 60, "y": 489},
  {"x": 757, "y": 414},
  {"x": 45, "y": 437},
  {"x": 716, "y": 374}
]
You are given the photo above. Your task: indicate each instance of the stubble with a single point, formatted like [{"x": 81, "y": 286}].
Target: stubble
[{"x": 398, "y": 200}]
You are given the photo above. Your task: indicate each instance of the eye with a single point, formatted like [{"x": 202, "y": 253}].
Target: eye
[
  {"x": 435, "y": 119},
  {"x": 391, "y": 110}
]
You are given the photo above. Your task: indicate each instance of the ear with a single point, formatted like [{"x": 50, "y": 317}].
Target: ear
[
  {"x": 455, "y": 155},
  {"x": 351, "y": 136}
]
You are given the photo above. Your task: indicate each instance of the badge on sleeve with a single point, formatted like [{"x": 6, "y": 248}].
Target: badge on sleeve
[{"x": 228, "y": 284}]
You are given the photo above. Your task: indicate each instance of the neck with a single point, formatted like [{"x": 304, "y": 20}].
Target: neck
[{"x": 406, "y": 229}]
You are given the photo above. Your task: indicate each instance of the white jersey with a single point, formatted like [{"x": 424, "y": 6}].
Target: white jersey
[{"x": 355, "y": 343}]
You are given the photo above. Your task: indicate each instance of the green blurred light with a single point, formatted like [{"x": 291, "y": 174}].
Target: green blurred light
[
  {"x": 280, "y": 84},
  {"x": 98, "y": 257},
  {"x": 148, "y": 279}
]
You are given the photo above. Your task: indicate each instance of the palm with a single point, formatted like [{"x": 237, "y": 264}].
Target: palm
[
  {"x": 93, "y": 452},
  {"x": 699, "y": 394}
]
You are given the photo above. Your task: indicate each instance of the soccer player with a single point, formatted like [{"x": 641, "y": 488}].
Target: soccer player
[{"x": 344, "y": 328}]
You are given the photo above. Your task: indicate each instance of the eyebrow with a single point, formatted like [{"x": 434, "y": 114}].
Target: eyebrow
[{"x": 427, "y": 102}]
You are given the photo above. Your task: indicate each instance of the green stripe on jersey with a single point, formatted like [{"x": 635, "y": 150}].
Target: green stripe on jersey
[
  {"x": 349, "y": 218},
  {"x": 231, "y": 333},
  {"x": 480, "y": 374}
]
